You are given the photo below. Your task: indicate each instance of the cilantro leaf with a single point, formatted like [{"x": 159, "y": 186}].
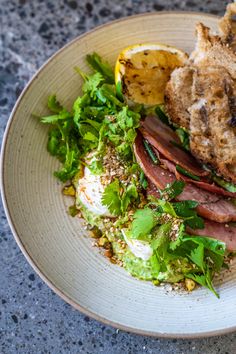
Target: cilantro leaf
[
  {"x": 54, "y": 105},
  {"x": 197, "y": 256},
  {"x": 143, "y": 223},
  {"x": 91, "y": 83},
  {"x": 107, "y": 95},
  {"x": 117, "y": 197},
  {"x": 161, "y": 239},
  {"x": 53, "y": 141},
  {"x": 184, "y": 210},
  {"x": 111, "y": 197},
  {"x": 166, "y": 207},
  {"x": 173, "y": 190},
  {"x": 128, "y": 196},
  {"x": 95, "y": 61},
  {"x": 53, "y": 119},
  {"x": 195, "y": 222},
  {"x": 90, "y": 136},
  {"x": 143, "y": 181},
  {"x": 216, "y": 246},
  {"x": 155, "y": 265},
  {"x": 204, "y": 280}
]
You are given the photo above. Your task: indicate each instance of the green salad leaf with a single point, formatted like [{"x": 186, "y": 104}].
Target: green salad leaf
[
  {"x": 111, "y": 197},
  {"x": 97, "y": 117},
  {"x": 143, "y": 223},
  {"x": 173, "y": 190},
  {"x": 118, "y": 197},
  {"x": 100, "y": 66}
]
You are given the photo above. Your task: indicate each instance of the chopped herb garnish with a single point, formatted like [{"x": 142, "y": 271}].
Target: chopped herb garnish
[
  {"x": 151, "y": 153},
  {"x": 100, "y": 121},
  {"x": 187, "y": 173},
  {"x": 163, "y": 117},
  {"x": 230, "y": 187},
  {"x": 184, "y": 138}
]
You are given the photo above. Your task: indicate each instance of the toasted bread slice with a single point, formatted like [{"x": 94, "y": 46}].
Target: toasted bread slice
[
  {"x": 178, "y": 96},
  {"x": 227, "y": 27},
  {"x": 212, "y": 139},
  {"x": 212, "y": 51}
]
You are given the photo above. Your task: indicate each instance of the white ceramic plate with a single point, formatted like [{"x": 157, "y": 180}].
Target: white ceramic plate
[{"x": 56, "y": 244}]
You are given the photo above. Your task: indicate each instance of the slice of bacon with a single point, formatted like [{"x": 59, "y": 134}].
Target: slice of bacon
[
  {"x": 212, "y": 187},
  {"x": 211, "y": 206},
  {"x": 221, "y": 232},
  {"x": 203, "y": 183},
  {"x": 161, "y": 137}
]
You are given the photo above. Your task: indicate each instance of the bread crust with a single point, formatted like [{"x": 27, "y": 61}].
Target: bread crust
[
  {"x": 177, "y": 104},
  {"x": 201, "y": 97}
]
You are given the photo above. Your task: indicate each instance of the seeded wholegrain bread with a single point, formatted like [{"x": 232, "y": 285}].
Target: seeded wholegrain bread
[
  {"x": 212, "y": 139},
  {"x": 213, "y": 51},
  {"x": 202, "y": 98},
  {"x": 178, "y": 96},
  {"x": 227, "y": 27}
]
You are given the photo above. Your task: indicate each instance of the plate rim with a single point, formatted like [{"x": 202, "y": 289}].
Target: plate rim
[{"x": 13, "y": 227}]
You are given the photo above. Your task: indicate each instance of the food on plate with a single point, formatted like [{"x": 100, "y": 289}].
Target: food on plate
[
  {"x": 148, "y": 155},
  {"x": 142, "y": 71},
  {"x": 207, "y": 107}
]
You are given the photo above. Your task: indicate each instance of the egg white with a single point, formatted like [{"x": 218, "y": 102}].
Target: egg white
[
  {"x": 139, "y": 248},
  {"x": 90, "y": 191}
]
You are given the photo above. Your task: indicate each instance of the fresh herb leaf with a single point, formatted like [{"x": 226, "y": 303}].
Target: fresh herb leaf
[
  {"x": 161, "y": 239},
  {"x": 53, "y": 141},
  {"x": 155, "y": 265},
  {"x": 92, "y": 83},
  {"x": 54, "y": 105},
  {"x": 129, "y": 195},
  {"x": 180, "y": 235},
  {"x": 204, "y": 280},
  {"x": 90, "y": 136},
  {"x": 216, "y": 246},
  {"x": 143, "y": 181},
  {"x": 184, "y": 138},
  {"x": 173, "y": 190},
  {"x": 107, "y": 95},
  {"x": 195, "y": 222},
  {"x": 54, "y": 119},
  {"x": 166, "y": 207},
  {"x": 197, "y": 256},
  {"x": 111, "y": 197},
  {"x": 150, "y": 152},
  {"x": 230, "y": 187},
  {"x": 97, "y": 64},
  {"x": 96, "y": 166},
  {"x": 186, "y": 173},
  {"x": 118, "y": 197},
  {"x": 163, "y": 117},
  {"x": 185, "y": 210},
  {"x": 143, "y": 223}
]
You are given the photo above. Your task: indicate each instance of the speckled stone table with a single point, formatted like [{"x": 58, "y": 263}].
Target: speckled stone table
[{"x": 32, "y": 318}]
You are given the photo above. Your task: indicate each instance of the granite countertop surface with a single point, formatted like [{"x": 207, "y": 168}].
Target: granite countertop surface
[{"x": 32, "y": 318}]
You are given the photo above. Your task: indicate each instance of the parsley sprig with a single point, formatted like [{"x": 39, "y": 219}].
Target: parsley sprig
[
  {"x": 97, "y": 117},
  {"x": 186, "y": 256}
]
